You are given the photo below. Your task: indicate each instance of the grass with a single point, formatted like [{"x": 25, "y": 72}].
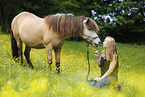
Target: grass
[{"x": 21, "y": 81}]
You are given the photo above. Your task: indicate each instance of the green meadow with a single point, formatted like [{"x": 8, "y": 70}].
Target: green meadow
[{"x": 21, "y": 81}]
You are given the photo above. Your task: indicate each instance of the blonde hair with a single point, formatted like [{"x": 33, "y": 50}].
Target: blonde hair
[{"x": 110, "y": 48}]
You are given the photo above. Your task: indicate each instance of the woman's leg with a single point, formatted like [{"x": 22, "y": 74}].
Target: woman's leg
[
  {"x": 92, "y": 83},
  {"x": 106, "y": 82}
]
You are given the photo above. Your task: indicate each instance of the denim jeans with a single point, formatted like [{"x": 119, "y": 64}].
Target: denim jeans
[{"x": 106, "y": 82}]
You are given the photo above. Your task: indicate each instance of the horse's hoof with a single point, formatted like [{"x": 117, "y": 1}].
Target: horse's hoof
[
  {"x": 58, "y": 71},
  {"x": 49, "y": 68},
  {"x": 31, "y": 66}
]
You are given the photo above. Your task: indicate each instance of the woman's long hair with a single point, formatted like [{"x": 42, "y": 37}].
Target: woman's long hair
[{"x": 110, "y": 48}]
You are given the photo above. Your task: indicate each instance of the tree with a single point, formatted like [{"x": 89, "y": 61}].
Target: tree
[
  {"x": 127, "y": 19},
  {"x": 8, "y": 8},
  {"x": 3, "y": 15},
  {"x": 42, "y": 8}
]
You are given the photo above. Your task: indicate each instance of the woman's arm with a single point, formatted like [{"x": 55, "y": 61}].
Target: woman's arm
[
  {"x": 97, "y": 53},
  {"x": 111, "y": 68}
]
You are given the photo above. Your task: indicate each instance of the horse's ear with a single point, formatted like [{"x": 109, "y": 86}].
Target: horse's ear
[{"x": 86, "y": 21}]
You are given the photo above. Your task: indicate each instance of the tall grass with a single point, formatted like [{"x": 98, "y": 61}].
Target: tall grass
[{"x": 21, "y": 81}]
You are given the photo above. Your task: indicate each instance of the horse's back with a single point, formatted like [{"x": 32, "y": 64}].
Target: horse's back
[
  {"x": 29, "y": 28},
  {"x": 24, "y": 18}
]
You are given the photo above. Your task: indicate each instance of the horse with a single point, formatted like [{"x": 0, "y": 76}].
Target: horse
[{"x": 49, "y": 32}]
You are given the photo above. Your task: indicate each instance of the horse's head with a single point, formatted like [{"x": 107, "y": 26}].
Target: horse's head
[{"x": 89, "y": 34}]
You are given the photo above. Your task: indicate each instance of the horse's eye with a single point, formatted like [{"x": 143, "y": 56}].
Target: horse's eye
[{"x": 89, "y": 28}]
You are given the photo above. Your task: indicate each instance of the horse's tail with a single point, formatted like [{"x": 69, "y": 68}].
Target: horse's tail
[{"x": 14, "y": 46}]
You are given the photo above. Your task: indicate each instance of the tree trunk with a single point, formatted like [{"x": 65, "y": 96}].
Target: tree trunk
[{"x": 3, "y": 16}]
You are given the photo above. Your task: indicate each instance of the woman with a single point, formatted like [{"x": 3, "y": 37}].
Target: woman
[{"x": 108, "y": 63}]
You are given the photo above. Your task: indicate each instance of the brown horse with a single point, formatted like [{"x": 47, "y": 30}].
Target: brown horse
[{"x": 50, "y": 33}]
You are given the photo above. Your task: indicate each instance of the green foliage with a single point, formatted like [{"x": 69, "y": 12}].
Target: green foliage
[
  {"x": 21, "y": 81},
  {"x": 127, "y": 23}
]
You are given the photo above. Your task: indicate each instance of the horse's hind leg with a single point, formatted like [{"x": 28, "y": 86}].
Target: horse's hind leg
[
  {"x": 19, "y": 45},
  {"x": 27, "y": 55}
]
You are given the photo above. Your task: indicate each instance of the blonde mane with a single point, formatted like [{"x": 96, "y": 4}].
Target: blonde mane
[{"x": 68, "y": 25}]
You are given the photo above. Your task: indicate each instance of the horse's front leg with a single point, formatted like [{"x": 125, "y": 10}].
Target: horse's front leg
[
  {"x": 49, "y": 56},
  {"x": 57, "y": 58}
]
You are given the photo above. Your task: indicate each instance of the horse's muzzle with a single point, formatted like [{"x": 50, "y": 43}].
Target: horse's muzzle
[{"x": 96, "y": 45}]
